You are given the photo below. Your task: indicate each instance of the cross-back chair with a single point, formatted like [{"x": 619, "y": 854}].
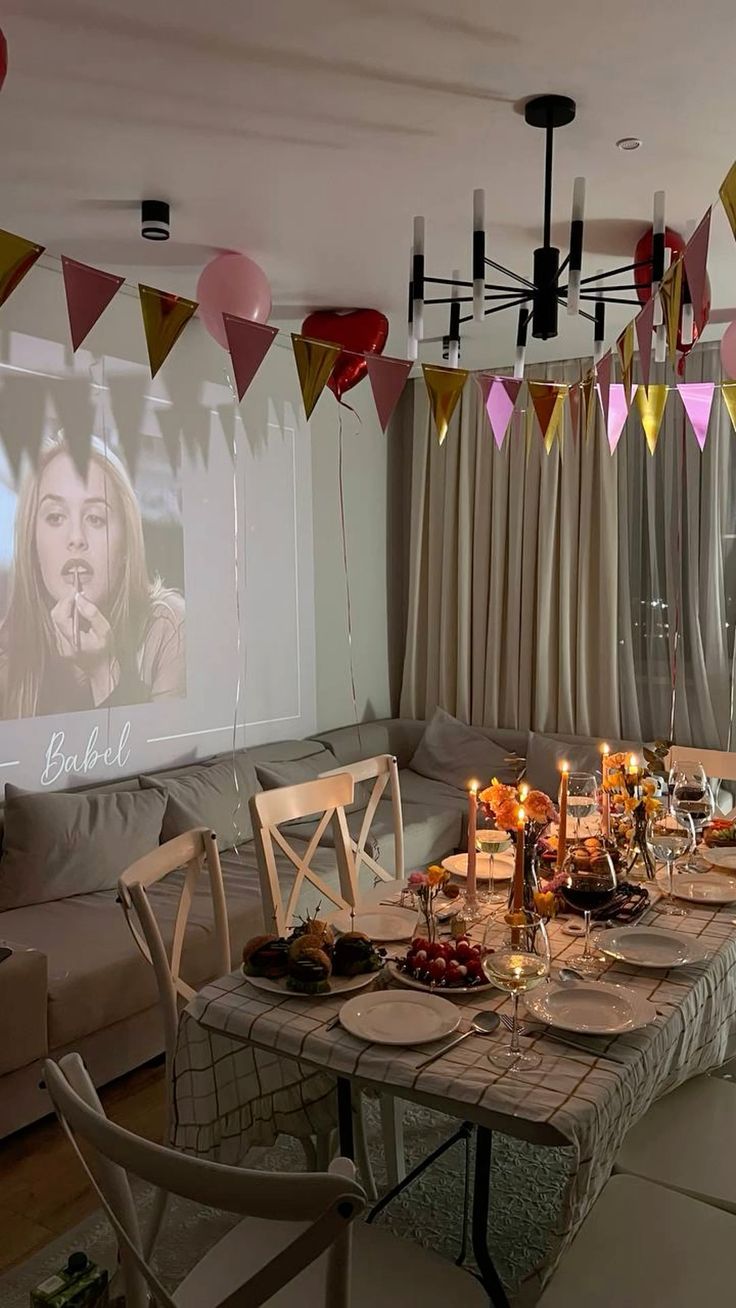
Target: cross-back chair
[{"x": 383, "y": 770}]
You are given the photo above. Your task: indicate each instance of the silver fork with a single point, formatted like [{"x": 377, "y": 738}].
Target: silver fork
[{"x": 547, "y": 1034}]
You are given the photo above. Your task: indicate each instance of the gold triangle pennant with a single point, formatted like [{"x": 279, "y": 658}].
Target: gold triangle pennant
[
  {"x": 671, "y": 293},
  {"x": 625, "y": 344},
  {"x": 548, "y": 399},
  {"x": 651, "y": 401},
  {"x": 728, "y": 391},
  {"x": 444, "y": 387},
  {"x": 164, "y": 318},
  {"x": 17, "y": 257},
  {"x": 727, "y": 192},
  {"x": 314, "y": 363}
]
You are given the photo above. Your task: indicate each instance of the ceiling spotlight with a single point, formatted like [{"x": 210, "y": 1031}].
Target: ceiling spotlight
[
  {"x": 629, "y": 143},
  {"x": 155, "y": 220}
]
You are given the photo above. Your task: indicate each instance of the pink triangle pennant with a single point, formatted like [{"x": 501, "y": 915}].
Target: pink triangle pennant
[
  {"x": 697, "y": 397},
  {"x": 603, "y": 375},
  {"x": 617, "y": 414},
  {"x": 248, "y": 343},
  {"x": 696, "y": 261},
  {"x": 387, "y": 377},
  {"x": 644, "y": 323},
  {"x": 500, "y": 402},
  {"x": 88, "y": 293}
]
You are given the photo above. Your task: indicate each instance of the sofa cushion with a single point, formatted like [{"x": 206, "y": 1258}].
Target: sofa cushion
[
  {"x": 23, "y": 985},
  {"x": 211, "y": 795},
  {"x": 274, "y": 775},
  {"x": 455, "y": 753},
  {"x": 583, "y": 753},
  {"x": 416, "y": 789},
  {"x": 430, "y": 833},
  {"x": 59, "y": 845},
  {"x": 397, "y": 736}
]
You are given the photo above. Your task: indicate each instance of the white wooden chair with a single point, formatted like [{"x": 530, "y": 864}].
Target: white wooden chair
[
  {"x": 642, "y": 1246},
  {"x": 299, "y": 1244},
  {"x": 383, "y": 770}
]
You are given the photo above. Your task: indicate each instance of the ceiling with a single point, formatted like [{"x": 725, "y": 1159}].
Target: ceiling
[{"x": 307, "y": 133}]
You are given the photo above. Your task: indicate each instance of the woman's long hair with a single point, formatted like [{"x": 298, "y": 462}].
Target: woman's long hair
[{"x": 26, "y": 634}]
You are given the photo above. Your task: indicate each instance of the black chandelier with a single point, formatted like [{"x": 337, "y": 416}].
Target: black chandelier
[{"x": 537, "y": 301}]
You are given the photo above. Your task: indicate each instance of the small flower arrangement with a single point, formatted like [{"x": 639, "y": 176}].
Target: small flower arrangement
[
  {"x": 426, "y": 886},
  {"x": 504, "y": 803},
  {"x": 633, "y": 792}
]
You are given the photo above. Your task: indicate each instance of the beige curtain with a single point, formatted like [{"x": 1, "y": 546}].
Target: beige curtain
[{"x": 565, "y": 592}]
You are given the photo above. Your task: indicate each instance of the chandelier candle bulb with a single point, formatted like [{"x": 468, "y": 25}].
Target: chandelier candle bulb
[
  {"x": 562, "y": 832},
  {"x": 479, "y": 254},
  {"x": 471, "y": 884},
  {"x": 453, "y": 352},
  {"x": 412, "y": 344},
  {"x": 417, "y": 277},
  {"x": 605, "y": 799},
  {"x": 576, "y": 246},
  {"x": 518, "y": 896},
  {"x": 521, "y": 343}
]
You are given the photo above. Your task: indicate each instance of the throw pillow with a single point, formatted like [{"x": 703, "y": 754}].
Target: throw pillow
[
  {"x": 58, "y": 845},
  {"x": 292, "y": 773},
  {"x": 207, "y": 796},
  {"x": 455, "y": 753}
]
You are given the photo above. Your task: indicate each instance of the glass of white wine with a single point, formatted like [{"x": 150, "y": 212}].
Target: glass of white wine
[
  {"x": 582, "y": 798},
  {"x": 669, "y": 836},
  {"x": 516, "y": 958},
  {"x": 491, "y": 841}
]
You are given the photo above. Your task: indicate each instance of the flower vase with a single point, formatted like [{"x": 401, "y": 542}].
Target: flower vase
[
  {"x": 640, "y": 866},
  {"x": 531, "y": 881}
]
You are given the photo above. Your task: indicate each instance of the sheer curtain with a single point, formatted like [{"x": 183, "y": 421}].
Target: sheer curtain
[{"x": 572, "y": 592}]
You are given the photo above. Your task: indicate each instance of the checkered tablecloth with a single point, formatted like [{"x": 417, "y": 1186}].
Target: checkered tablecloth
[{"x": 250, "y": 1064}]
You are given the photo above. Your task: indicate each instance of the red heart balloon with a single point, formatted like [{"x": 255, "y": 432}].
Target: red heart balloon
[{"x": 359, "y": 331}]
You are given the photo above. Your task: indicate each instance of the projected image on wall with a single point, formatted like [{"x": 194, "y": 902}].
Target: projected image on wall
[{"x": 91, "y": 582}]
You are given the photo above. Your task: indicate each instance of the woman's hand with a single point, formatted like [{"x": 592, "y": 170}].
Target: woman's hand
[{"x": 84, "y": 635}]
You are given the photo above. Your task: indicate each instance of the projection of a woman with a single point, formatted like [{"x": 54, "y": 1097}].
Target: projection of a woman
[{"x": 86, "y": 626}]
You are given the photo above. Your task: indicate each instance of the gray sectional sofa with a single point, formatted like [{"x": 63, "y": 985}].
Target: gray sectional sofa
[{"x": 75, "y": 979}]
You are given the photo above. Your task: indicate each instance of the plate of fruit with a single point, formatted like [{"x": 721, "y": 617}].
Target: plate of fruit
[
  {"x": 449, "y": 966},
  {"x": 719, "y": 843},
  {"x": 312, "y": 961}
]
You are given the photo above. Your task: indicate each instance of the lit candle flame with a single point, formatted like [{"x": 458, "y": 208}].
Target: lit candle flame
[
  {"x": 564, "y": 767},
  {"x": 523, "y": 791},
  {"x": 633, "y": 763},
  {"x": 522, "y": 817},
  {"x": 474, "y": 787},
  {"x": 605, "y": 750}
]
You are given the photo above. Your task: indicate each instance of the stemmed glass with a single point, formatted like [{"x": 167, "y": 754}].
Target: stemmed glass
[
  {"x": 691, "y": 794},
  {"x": 588, "y": 883},
  {"x": 669, "y": 836},
  {"x": 582, "y": 797},
  {"x": 491, "y": 841},
  {"x": 516, "y": 958}
]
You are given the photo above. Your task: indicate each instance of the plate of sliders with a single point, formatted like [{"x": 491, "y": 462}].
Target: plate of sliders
[{"x": 312, "y": 962}]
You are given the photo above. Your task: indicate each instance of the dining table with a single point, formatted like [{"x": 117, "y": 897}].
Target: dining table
[{"x": 250, "y": 1064}]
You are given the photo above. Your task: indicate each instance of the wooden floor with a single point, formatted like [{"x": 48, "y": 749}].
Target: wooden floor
[{"x": 43, "y": 1190}]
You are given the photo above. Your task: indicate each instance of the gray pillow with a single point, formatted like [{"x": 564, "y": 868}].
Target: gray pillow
[
  {"x": 293, "y": 773},
  {"x": 58, "y": 845},
  {"x": 546, "y": 753},
  {"x": 207, "y": 796},
  {"x": 455, "y": 753}
]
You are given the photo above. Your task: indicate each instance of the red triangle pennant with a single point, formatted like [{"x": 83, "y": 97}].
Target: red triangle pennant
[
  {"x": 696, "y": 261},
  {"x": 88, "y": 293},
  {"x": 248, "y": 343},
  {"x": 644, "y": 323},
  {"x": 388, "y": 379}
]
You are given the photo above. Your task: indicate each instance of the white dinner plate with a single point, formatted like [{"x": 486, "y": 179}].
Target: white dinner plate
[
  {"x": 447, "y": 992},
  {"x": 719, "y": 856},
  {"x": 339, "y": 985},
  {"x": 589, "y": 1007},
  {"x": 378, "y": 924},
  {"x": 503, "y": 866},
  {"x": 702, "y": 887},
  {"x": 647, "y": 946},
  {"x": 391, "y": 1017}
]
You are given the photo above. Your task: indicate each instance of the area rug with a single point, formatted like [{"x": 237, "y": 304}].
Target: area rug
[{"x": 527, "y": 1185}]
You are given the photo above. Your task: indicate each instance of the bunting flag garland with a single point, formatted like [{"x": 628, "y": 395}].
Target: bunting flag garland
[
  {"x": 575, "y": 407},
  {"x": 644, "y": 324},
  {"x": 164, "y": 318},
  {"x": 728, "y": 391},
  {"x": 697, "y": 397},
  {"x": 671, "y": 296},
  {"x": 618, "y": 412},
  {"x": 651, "y": 405},
  {"x": 625, "y": 344},
  {"x": 88, "y": 293},
  {"x": 248, "y": 343},
  {"x": 548, "y": 399},
  {"x": 499, "y": 398},
  {"x": 604, "y": 384},
  {"x": 587, "y": 393},
  {"x": 17, "y": 257},
  {"x": 696, "y": 262},
  {"x": 387, "y": 377},
  {"x": 727, "y": 192},
  {"x": 314, "y": 363},
  {"x": 444, "y": 386}
]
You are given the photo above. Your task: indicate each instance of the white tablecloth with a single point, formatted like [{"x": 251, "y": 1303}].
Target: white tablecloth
[{"x": 242, "y": 1055}]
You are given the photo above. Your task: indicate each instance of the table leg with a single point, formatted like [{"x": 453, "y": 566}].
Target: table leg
[
  {"x": 345, "y": 1117},
  {"x": 479, "y": 1226}
]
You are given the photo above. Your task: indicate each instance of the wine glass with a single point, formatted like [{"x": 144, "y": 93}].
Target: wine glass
[
  {"x": 516, "y": 958},
  {"x": 588, "y": 883},
  {"x": 491, "y": 841},
  {"x": 669, "y": 836},
  {"x": 692, "y": 794},
  {"x": 582, "y": 797}
]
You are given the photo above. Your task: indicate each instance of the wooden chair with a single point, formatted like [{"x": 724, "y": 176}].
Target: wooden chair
[
  {"x": 298, "y": 1245},
  {"x": 383, "y": 770}
]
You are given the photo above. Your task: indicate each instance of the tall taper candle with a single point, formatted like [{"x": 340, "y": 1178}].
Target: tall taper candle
[
  {"x": 562, "y": 833},
  {"x": 471, "y": 892},
  {"x": 518, "y": 898},
  {"x": 606, "y": 799}
]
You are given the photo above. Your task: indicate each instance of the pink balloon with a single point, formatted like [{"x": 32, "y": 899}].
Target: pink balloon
[
  {"x": 232, "y": 283},
  {"x": 728, "y": 351}
]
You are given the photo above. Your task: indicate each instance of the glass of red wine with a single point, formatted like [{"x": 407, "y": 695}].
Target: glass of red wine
[
  {"x": 691, "y": 795},
  {"x": 588, "y": 884}
]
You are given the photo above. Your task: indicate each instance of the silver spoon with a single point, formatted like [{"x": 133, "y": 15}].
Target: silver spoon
[
  {"x": 568, "y": 974},
  {"x": 482, "y": 1024}
]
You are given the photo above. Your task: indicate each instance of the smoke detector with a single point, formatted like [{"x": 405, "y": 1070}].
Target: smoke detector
[{"x": 629, "y": 143}]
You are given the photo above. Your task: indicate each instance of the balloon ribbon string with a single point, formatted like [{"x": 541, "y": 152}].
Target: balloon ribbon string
[
  {"x": 238, "y": 834},
  {"x": 346, "y": 570}
]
